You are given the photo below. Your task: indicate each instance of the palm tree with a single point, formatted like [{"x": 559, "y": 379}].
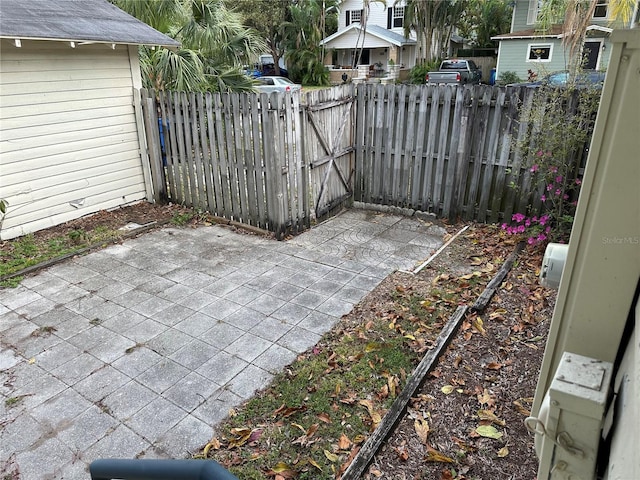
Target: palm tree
[
  {"x": 301, "y": 37},
  {"x": 576, "y": 17},
  {"x": 433, "y": 23},
  {"x": 215, "y": 45},
  {"x": 366, "y": 7}
]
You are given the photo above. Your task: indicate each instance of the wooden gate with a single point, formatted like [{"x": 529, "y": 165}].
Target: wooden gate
[{"x": 328, "y": 133}]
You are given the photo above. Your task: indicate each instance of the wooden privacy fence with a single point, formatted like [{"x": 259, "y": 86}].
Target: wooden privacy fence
[
  {"x": 452, "y": 151},
  {"x": 278, "y": 161},
  {"x": 240, "y": 156}
]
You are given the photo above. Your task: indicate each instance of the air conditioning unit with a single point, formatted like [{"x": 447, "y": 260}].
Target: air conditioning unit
[{"x": 553, "y": 262}]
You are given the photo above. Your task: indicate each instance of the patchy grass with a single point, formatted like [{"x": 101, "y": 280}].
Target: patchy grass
[
  {"x": 316, "y": 414},
  {"x": 30, "y": 250}
]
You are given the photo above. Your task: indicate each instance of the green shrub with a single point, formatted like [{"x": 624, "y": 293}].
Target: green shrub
[
  {"x": 505, "y": 78},
  {"x": 418, "y": 73}
]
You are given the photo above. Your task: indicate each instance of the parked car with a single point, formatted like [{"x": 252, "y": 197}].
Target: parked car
[
  {"x": 455, "y": 71},
  {"x": 563, "y": 78},
  {"x": 276, "y": 84}
]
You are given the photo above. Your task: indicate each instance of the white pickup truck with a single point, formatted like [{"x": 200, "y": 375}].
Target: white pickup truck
[{"x": 455, "y": 71}]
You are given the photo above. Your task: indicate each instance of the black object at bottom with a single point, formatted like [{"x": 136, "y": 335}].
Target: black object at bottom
[{"x": 147, "y": 469}]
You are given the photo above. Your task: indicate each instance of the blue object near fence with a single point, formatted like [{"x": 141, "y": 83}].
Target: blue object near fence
[
  {"x": 492, "y": 77},
  {"x": 147, "y": 469},
  {"x": 162, "y": 148}
]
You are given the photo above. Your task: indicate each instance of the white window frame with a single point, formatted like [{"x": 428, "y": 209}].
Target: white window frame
[
  {"x": 539, "y": 45},
  {"x": 355, "y": 16},
  {"x": 532, "y": 13},
  {"x": 605, "y": 4},
  {"x": 398, "y": 13}
]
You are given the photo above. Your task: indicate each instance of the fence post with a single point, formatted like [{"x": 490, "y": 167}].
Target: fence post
[{"x": 153, "y": 146}]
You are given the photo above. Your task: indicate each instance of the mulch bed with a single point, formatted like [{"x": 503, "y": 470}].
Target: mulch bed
[{"x": 486, "y": 378}]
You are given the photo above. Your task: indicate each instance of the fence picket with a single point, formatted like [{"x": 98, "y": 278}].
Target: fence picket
[{"x": 257, "y": 158}]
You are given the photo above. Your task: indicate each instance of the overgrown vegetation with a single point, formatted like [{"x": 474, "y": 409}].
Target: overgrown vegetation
[{"x": 560, "y": 122}]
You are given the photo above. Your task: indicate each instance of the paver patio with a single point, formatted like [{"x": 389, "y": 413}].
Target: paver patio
[{"x": 142, "y": 348}]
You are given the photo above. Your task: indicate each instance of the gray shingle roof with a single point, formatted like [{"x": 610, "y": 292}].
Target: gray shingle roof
[{"x": 75, "y": 20}]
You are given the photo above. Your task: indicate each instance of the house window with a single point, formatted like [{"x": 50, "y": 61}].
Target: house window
[
  {"x": 353, "y": 16},
  {"x": 601, "y": 8},
  {"x": 539, "y": 52},
  {"x": 398, "y": 17},
  {"x": 532, "y": 14}
]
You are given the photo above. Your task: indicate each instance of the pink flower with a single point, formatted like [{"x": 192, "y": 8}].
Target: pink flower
[
  {"x": 558, "y": 191},
  {"x": 543, "y": 198},
  {"x": 534, "y": 219},
  {"x": 559, "y": 179},
  {"x": 565, "y": 197},
  {"x": 534, "y": 168},
  {"x": 541, "y": 238},
  {"x": 527, "y": 223},
  {"x": 531, "y": 240},
  {"x": 543, "y": 219},
  {"x": 553, "y": 169},
  {"x": 520, "y": 229},
  {"x": 504, "y": 226},
  {"x": 547, "y": 230},
  {"x": 539, "y": 153},
  {"x": 518, "y": 217},
  {"x": 549, "y": 187},
  {"x": 578, "y": 181}
]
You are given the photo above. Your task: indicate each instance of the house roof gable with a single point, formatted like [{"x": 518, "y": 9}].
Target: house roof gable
[
  {"x": 375, "y": 30},
  {"x": 92, "y": 21}
]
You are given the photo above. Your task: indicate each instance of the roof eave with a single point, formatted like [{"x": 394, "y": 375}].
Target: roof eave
[{"x": 90, "y": 42}]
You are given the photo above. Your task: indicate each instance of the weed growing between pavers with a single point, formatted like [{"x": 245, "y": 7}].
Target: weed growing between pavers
[{"x": 316, "y": 414}]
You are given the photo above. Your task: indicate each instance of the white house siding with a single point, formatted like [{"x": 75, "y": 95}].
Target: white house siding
[
  {"x": 377, "y": 13},
  {"x": 68, "y": 139}
]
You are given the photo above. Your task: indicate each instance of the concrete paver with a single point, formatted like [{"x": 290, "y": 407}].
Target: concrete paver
[{"x": 141, "y": 349}]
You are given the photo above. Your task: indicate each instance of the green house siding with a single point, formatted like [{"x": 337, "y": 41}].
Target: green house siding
[
  {"x": 513, "y": 56},
  {"x": 514, "y": 53}
]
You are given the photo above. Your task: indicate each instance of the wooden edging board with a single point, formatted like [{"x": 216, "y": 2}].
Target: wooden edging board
[{"x": 371, "y": 446}]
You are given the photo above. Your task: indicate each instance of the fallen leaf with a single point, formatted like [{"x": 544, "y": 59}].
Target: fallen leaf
[
  {"x": 489, "y": 431},
  {"x": 282, "y": 471},
  {"x": 344, "y": 443},
  {"x": 447, "y": 389},
  {"x": 422, "y": 429},
  {"x": 402, "y": 452},
  {"x": 214, "y": 444},
  {"x": 376, "y": 418},
  {"x": 494, "y": 366},
  {"x": 435, "y": 456},
  {"x": 372, "y": 347},
  {"x": 503, "y": 452},
  {"x": 490, "y": 416},
  {"x": 323, "y": 417},
  {"x": 240, "y": 436},
  {"x": 476, "y": 261},
  {"x": 288, "y": 411},
  {"x": 332, "y": 457},
  {"x": 478, "y": 324}
]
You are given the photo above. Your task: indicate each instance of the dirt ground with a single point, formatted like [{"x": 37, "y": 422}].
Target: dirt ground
[
  {"x": 466, "y": 421},
  {"x": 484, "y": 384}
]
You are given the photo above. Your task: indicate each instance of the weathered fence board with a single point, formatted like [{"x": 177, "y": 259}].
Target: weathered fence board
[{"x": 277, "y": 161}]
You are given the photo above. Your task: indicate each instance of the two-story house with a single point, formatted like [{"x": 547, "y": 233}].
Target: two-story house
[
  {"x": 527, "y": 48},
  {"x": 374, "y": 32}
]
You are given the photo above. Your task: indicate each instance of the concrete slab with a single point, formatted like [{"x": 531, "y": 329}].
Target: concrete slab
[{"x": 142, "y": 348}]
